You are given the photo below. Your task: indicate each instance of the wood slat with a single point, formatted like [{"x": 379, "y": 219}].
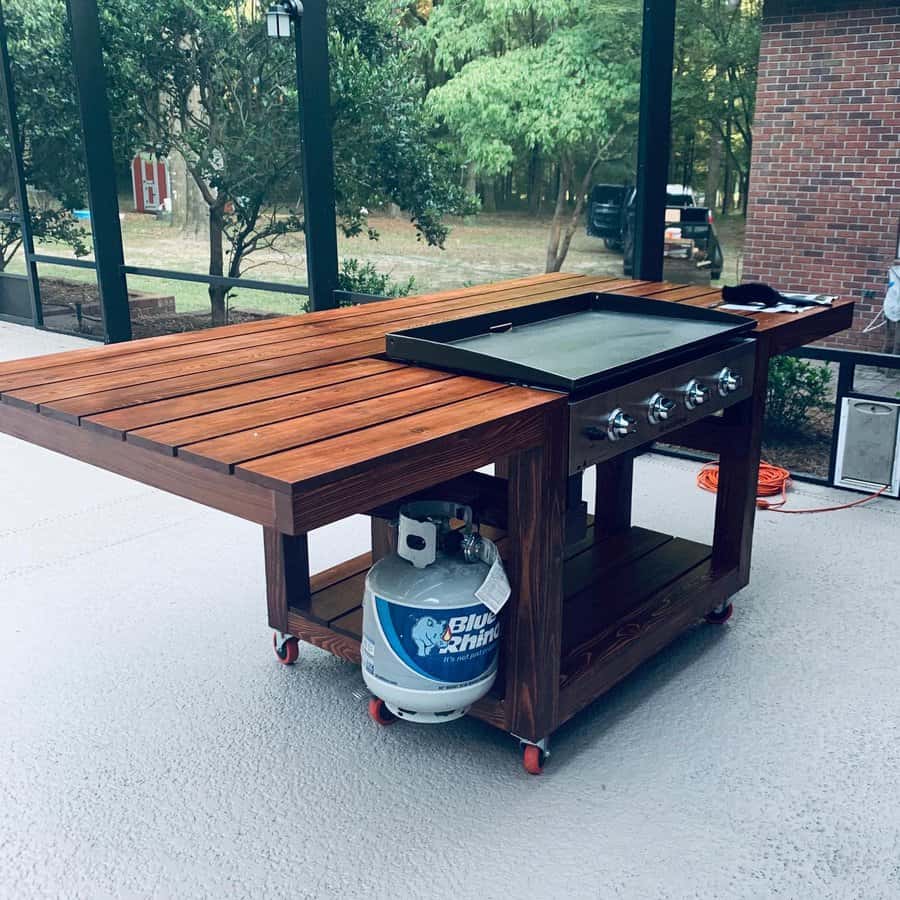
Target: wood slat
[
  {"x": 225, "y": 452},
  {"x": 594, "y": 564},
  {"x": 69, "y": 357},
  {"x": 72, "y": 409},
  {"x": 167, "y": 438},
  {"x": 603, "y": 603},
  {"x": 144, "y": 415},
  {"x": 328, "y": 459}
]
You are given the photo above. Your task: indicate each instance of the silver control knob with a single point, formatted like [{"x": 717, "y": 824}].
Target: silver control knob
[
  {"x": 729, "y": 381},
  {"x": 659, "y": 408},
  {"x": 695, "y": 394},
  {"x": 620, "y": 425}
]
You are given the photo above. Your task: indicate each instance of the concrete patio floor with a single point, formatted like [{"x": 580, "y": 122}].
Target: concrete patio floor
[{"x": 150, "y": 745}]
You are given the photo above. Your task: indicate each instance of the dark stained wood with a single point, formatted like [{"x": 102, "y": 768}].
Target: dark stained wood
[
  {"x": 383, "y": 480},
  {"x": 640, "y": 635},
  {"x": 74, "y": 408},
  {"x": 598, "y": 558},
  {"x": 287, "y": 575},
  {"x": 248, "y": 501},
  {"x": 169, "y": 437},
  {"x": 486, "y": 494},
  {"x": 738, "y": 475},
  {"x": 327, "y": 578},
  {"x": 339, "y": 457},
  {"x": 623, "y": 588},
  {"x": 292, "y": 434},
  {"x": 533, "y": 616},
  {"x": 384, "y": 537},
  {"x": 160, "y": 412},
  {"x": 340, "y": 645},
  {"x": 351, "y": 623},
  {"x": 612, "y": 496},
  {"x": 336, "y": 600}
]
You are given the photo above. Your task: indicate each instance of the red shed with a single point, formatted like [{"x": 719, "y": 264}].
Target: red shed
[{"x": 150, "y": 182}]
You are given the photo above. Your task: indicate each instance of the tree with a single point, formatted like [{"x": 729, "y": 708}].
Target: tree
[
  {"x": 714, "y": 92},
  {"x": 555, "y": 77},
  {"x": 220, "y": 93}
]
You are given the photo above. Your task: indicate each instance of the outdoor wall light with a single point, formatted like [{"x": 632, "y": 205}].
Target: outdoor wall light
[{"x": 279, "y": 16}]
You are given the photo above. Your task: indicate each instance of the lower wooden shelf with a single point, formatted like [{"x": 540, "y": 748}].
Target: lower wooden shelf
[{"x": 626, "y": 597}]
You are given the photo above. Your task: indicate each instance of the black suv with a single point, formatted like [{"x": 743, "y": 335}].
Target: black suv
[{"x": 605, "y": 213}]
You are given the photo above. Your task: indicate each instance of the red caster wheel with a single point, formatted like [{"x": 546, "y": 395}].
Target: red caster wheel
[
  {"x": 720, "y": 618},
  {"x": 286, "y": 651},
  {"x": 379, "y": 713},
  {"x": 533, "y": 759}
]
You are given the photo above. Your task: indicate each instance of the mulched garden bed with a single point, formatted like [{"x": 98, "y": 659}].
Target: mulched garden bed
[{"x": 150, "y": 326}]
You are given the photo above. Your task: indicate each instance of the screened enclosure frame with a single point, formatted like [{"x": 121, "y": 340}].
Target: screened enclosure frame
[{"x": 316, "y": 152}]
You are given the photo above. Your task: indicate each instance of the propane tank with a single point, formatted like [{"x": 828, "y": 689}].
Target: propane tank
[{"x": 429, "y": 646}]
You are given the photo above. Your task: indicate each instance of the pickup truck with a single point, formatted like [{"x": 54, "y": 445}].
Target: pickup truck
[{"x": 689, "y": 231}]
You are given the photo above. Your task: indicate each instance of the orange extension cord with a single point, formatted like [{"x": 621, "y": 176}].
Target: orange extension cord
[{"x": 772, "y": 482}]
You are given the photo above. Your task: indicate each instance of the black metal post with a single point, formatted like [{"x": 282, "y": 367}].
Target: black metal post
[
  {"x": 657, "y": 56},
  {"x": 87, "y": 62},
  {"x": 18, "y": 171},
  {"x": 846, "y": 376},
  {"x": 311, "y": 41}
]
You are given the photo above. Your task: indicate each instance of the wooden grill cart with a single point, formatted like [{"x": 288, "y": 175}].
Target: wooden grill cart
[{"x": 297, "y": 422}]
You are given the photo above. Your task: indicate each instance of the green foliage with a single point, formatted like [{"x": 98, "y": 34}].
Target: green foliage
[
  {"x": 556, "y": 79},
  {"x": 364, "y": 278},
  {"x": 714, "y": 86},
  {"x": 533, "y": 74},
  {"x": 795, "y": 388}
]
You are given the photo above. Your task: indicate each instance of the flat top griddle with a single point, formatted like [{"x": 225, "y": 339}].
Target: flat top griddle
[{"x": 574, "y": 344}]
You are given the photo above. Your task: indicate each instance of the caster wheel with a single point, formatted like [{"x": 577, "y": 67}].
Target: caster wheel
[
  {"x": 533, "y": 759},
  {"x": 288, "y": 652},
  {"x": 379, "y": 713},
  {"x": 720, "y": 618}
]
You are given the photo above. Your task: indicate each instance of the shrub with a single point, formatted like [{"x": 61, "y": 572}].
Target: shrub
[
  {"x": 364, "y": 278},
  {"x": 795, "y": 388}
]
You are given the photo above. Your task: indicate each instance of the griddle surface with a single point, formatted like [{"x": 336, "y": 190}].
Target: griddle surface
[{"x": 581, "y": 344}]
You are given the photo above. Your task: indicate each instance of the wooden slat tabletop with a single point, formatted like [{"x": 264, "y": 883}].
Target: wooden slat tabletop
[{"x": 292, "y": 403}]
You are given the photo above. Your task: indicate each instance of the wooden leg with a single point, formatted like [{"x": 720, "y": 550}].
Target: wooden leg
[
  {"x": 287, "y": 575},
  {"x": 537, "y": 486},
  {"x": 612, "y": 507},
  {"x": 738, "y": 475},
  {"x": 384, "y": 538}
]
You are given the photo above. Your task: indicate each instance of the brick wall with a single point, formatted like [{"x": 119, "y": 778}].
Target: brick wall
[{"x": 825, "y": 177}]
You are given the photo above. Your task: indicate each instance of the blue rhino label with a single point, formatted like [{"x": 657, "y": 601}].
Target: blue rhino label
[{"x": 452, "y": 646}]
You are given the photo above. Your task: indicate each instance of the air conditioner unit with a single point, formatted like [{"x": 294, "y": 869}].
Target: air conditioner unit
[{"x": 868, "y": 449}]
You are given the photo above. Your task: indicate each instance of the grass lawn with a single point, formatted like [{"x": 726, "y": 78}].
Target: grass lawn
[{"x": 481, "y": 249}]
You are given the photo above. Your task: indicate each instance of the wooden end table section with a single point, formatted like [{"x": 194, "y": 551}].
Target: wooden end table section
[{"x": 297, "y": 422}]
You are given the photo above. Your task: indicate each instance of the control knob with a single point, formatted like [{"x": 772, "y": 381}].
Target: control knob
[
  {"x": 695, "y": 394},
  {"x": 659, "y": 408},
  {"x": 729, "y": 381},
  {"x": 620, "y": 425}
]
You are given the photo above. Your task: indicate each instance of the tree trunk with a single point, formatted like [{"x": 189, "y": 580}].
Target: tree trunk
[
  {"x": 217, "y": 294},
  {"x": 471, "y": 185},
  {"x": 535, "y": 179},
  {"x": 488, "y": 195},
  {"x": 713, "y": 170},
  {"x": 554, "y": 261}
]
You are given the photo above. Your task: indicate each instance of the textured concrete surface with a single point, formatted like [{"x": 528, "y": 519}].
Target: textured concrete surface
[{"x": 150, "y": 746}]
